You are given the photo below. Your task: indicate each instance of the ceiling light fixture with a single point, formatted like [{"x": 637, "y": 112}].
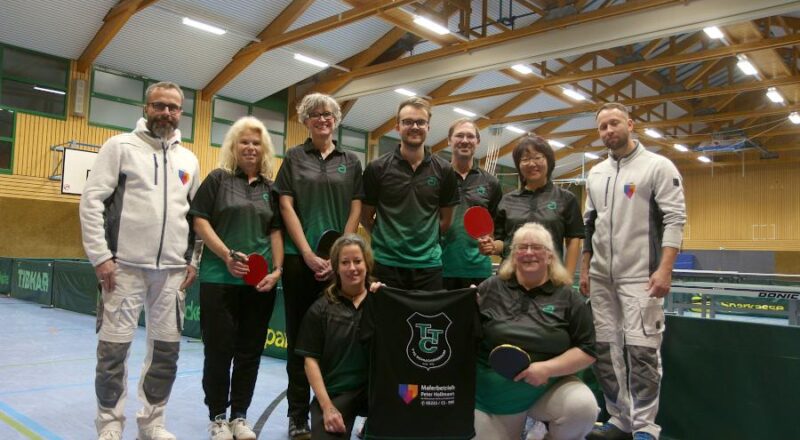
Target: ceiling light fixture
[
  {"x": 522, "y": 68},
  {"x": 309, "y": 60},
  {"x": 515, "y": 129},
  {"x": 774, "y": 95},
  {"x": 44, "y": 89},
  {"x": 591, "y": 155},
  {"x": 430, "y": 25},
  {"x": 703, "y": 159},
  {"x": 745, "y": 66},
  {"x": 680, "y": 147},
  {"x": 203, "y": 26},
  {"x": 466, "y": 113},
  {"x": 794, "y": 117},
  {"x": 714, "y": 32},
  {"x": 405, "y": 92},
  {"x": 652, "y": 133},
  {"x": 555, "y": 144},
  {"x": 574, "y": 94}
]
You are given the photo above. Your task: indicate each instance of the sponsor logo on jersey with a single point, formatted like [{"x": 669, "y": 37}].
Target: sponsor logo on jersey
[
  {"x": 551, "y": 309},
  {"x": 481, "y": 190},
  {"x": 408, "y": 392},
  {"x": 552, "y": 206},
  {"x": 428, "y": 346},
  {"x": 433, "y": 181},
  {"x": 342, "y": 169}
]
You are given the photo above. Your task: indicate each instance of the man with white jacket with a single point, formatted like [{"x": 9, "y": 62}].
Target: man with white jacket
[
  {"x": 135, "y": 230},
  {"x": 634, "y": 217}
]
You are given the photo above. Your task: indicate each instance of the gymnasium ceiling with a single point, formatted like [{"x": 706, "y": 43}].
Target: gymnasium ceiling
[{"x": 652, "y": 55}]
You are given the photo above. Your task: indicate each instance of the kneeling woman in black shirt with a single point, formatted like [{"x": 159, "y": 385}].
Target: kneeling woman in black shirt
[
  {"x": 530, "y": 303},
  {"x": 335, "y": 361}
]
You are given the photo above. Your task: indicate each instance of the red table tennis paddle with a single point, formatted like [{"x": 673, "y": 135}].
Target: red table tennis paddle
[
  {"x": 509, "y": 360},
  {"x": 258, "y": 269},
  {"x": 478, "y": 222}
]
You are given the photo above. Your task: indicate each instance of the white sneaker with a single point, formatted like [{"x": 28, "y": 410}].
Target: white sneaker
[
  {"x": 220, "y": 430},
  {"x": 155, "y": 433},
  {"x": 241, "y": 430},
  {"x": 110, "y": 435}
]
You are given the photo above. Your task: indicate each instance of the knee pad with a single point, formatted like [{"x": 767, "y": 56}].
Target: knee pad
[
  {"x": 158, "y": 379},
  {"x": 604, "y": 370},
  {"x": 109, "y": 382},
  {"x": 645, "y": 374}
]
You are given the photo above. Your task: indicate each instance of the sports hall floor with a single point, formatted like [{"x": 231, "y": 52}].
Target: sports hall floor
[{"x": 47, "y": 361}]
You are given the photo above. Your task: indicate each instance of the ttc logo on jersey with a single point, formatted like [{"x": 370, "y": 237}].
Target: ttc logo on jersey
[{"x": 428, "y": 346}]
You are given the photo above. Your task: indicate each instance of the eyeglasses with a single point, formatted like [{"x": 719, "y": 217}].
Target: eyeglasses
[
  {"x": 317, "y": 115},
  {"x": 529, "y": 160},
  {"x": 530, "y": 247},
  {"x": 421, "y": 123},
  {"x": 160, "y": 107}
]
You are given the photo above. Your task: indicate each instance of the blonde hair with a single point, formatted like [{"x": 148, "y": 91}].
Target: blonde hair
[
  {"x": 556, "y": 272},
  {"x": 227, "y": 157},
  {"x": 417, "y": 103},
  {"x": 336, "y": 251},
  {"x": 313, "y": 101}
]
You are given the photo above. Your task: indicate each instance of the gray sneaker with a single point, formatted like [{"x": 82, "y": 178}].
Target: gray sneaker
[
  {"x": 220, "y": 430},
  {"x": 298, "y": 429},
  {"x": 241, "y": 430},
  {"x": 110, "y": 435}
]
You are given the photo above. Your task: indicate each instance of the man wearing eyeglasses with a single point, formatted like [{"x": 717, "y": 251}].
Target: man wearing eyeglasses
[
  {"x": 136, "y": 234},
  {"x": 410, "y": 196}
]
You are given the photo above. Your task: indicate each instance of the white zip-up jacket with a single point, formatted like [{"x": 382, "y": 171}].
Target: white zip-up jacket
[
  {"x": 135, "y": 203},
  {"x": 634, "y": 207}
]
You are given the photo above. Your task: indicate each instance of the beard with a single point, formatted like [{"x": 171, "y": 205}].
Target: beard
[
  {"x": 620, "y": 142},
  {"x": 162, "y": 126},
  {"x": 408, "y": 141}
]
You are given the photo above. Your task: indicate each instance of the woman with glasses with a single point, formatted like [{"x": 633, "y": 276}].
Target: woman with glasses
[
  {"x": 320, "y": 189},
  {"x": 236, "y": 214},
  {"x": 335, "y": 359},
  {"x": 539, "y": 200},
  {"x": 530, "y": 304}
]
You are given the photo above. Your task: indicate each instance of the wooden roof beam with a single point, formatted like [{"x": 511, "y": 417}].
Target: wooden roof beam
[
  {"x": 274, "y": 39},
  {"x": 112, "y": 24}
]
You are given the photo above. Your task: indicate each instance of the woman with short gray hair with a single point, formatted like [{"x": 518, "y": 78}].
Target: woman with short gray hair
[{"x": 320, "y": 189}]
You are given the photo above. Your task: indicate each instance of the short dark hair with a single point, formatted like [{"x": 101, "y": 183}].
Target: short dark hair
[
  {"x": 613, "y": 106},
  {"x": 416, "y": 102},
  {"x": 538, "y": 144}
]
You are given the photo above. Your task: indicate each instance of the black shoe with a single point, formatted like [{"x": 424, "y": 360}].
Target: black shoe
[
  {"x": 298, "y": 429},
  {"x": 608, "y": 432}
]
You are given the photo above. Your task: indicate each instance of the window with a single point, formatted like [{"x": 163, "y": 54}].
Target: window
[
  {"x": 117, "y": 101},
  {"x": 386, "y": 144},
  {"x": 270, "y": 112},
  {"x": 354, "y": 140},
  {"x": 6, "y": 140},
  {"x": 33, "y": 82}
]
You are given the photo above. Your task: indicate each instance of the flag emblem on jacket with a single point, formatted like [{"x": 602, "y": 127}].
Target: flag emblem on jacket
[
  {"x": 629, "y": 188},
  {"x": 184, "y": 176}
]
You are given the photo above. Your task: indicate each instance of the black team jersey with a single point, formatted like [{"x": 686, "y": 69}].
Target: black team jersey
[{"x": 423, "y": 348}]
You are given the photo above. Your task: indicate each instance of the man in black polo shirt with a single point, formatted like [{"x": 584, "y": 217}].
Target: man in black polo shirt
[
  {"x": 410, "y": 195},
  {"x": 465, "y": 261}
]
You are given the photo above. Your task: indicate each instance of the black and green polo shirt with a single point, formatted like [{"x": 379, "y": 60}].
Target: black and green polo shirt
[
  {"x": 545, "y": 321},
  {"x": 322, "y": 189},
  {"x": 407, "y": 202},
  {"x": 460, "y": 256},
  {"x": 330, "y": 334},
  {"x": 551, "y": 206},
  {"x": 242, "y": 214}
]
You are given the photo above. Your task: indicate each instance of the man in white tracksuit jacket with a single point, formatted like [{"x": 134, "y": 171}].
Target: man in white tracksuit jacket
[
  {"x": 634, "y": 219},
  {"x": 135, "y": 232}
]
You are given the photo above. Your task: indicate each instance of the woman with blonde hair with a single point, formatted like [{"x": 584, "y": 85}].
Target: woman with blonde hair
[
  {"x": 236, "y": 214},
  {"x": 335, "y": 359},
  {"x": 320, "y": 189},
  {"x": 530, "y": 304}
]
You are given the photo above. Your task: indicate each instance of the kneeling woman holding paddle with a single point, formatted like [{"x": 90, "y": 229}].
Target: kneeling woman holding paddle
[
  {"x": 335, "y": 360},
  {"x": 236, "y": 214},
  {"x": 537, "y": 332}
]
